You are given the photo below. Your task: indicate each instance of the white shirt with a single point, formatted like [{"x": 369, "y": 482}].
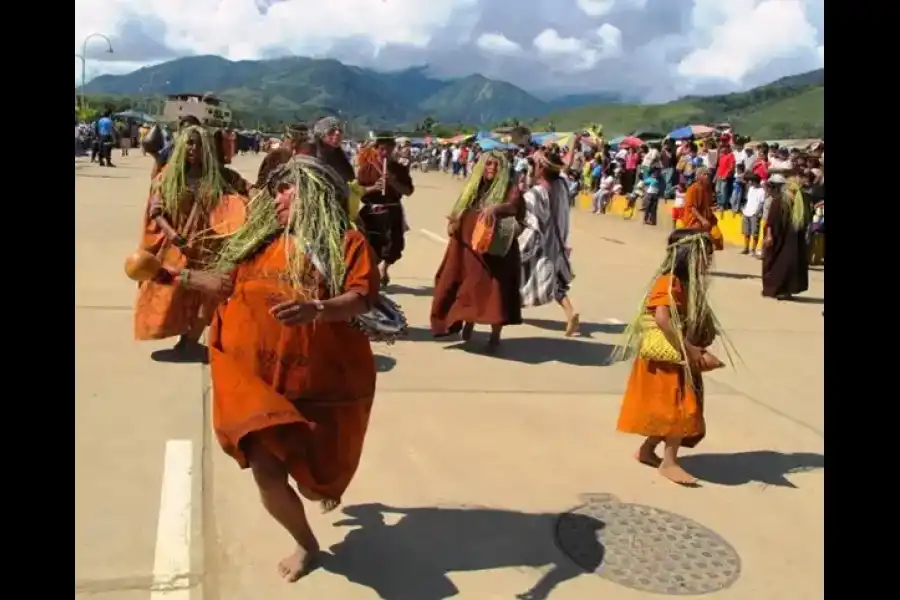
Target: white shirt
[
  {"x": 606, "y": 183},
  {"x": 651, "y": 158},
  {"x": 776, "y": 164},
  {"x": 739, "y": 159},
  {"x": 454, "y": 155},
  {"x": 679, "y": 199},
  {"x": 756, "y": 196}
]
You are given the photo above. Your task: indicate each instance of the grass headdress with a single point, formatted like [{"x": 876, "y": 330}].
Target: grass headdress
[
  {"x": 687, "y": 257},
  {"x": 496, "y": 193},
  {"x": 315, "y": 229},
  {"x": 173, "y": 183},
  {"x": 795, "y": 204}
]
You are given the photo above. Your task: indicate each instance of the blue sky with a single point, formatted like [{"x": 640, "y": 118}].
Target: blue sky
[{"x": 651, "y": 49}]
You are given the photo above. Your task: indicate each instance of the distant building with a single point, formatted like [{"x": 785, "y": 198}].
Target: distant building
[{"x": 206, "y": 107}]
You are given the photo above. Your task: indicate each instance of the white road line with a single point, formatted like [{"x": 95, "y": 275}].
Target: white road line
[
  {"x": 615, "y": 322},
  {"x": 172, "y": 559},
  {"x": 433, "y": 236}
]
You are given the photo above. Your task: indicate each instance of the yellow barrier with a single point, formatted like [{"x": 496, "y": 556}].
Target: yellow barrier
[{"x": 729, "y": 223}]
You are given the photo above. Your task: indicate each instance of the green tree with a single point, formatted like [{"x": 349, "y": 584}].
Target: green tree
[{"x": 427, "y": 125}]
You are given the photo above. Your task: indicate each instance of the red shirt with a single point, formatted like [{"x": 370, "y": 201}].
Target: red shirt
[
  {"x": 725, "y": 167},
  {"x": 760, "y": 168}
]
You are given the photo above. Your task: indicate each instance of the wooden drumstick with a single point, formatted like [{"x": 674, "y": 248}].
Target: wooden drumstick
[{"x": 384, "y": 177}]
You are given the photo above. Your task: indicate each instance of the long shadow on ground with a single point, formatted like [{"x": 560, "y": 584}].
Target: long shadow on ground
[
  {"x": 538, "y": 350},
  {"x": 411, "y": 559},
  {"x": 763, "y": 466}
]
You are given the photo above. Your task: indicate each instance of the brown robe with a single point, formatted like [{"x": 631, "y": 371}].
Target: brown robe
[
  {"x": 785, "y": 265},
  {"x": 478, "y": 288},
  {"x": 304, "y": 392},
  {"x": 163, "y": 311}
]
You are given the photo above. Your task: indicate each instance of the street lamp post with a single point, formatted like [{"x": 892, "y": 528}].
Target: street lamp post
[
  {"x": 80, "y": 57},
  {"x": 84, "y": 61}
]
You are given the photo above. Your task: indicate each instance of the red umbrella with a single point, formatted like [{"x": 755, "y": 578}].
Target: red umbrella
[{"x": 631, "y": 142}]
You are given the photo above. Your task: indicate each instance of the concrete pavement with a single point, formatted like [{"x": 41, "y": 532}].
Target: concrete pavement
[{"x": 469, "y": 459}]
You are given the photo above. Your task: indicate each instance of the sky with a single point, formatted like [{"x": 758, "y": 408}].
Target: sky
[{"x": 653, "y": 50}]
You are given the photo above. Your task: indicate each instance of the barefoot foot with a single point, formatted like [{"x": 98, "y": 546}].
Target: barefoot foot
[
  {"x": 493, "y": 345},
  {"x": 572, "y": 325},
  {"x": 648, "y": 457},
  {"x": 298, "y": 564},
  {"x": 674, "y": 473}
]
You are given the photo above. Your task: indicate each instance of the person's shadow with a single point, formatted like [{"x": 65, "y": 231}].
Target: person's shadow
[
  {"x": 539, "y": 350},
  {"x": 764, "y": 466},
  {"x": 410, "y": 559},
  {"x": 585, "y": 329}
]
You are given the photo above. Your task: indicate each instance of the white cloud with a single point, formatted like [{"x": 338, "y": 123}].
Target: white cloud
[
  {"x": 497, "y": 43},
  {"x": 744, "y": 35},
  {"x": 596, "y": 8},
  {"x": 601, "y": 8},
  {"x": 579, "y": 54},
  {"x": 236, "y": 29},
  {"x": 661, "y": 47}
]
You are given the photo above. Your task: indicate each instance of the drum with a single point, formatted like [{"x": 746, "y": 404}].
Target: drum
[{"x": 385, "y": 322}]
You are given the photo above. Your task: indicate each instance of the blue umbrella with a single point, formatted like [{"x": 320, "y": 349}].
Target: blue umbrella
[
  {"x": 493, "y": 144},
  {"x": 682, "y": 133}
]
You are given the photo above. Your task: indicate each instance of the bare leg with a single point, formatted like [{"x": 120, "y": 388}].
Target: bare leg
[
  {"x": 467, "y": 330},
  {"x": 286, "y": 507},
  {"x": 646, "y": 454},
  {"x": 494, "y": 341},
  {"x": 385, "y": 276},
  {"x": 190, "y": 341},
  {"x": 572, "y": 318},
  {"x": 669, "y": 467}
]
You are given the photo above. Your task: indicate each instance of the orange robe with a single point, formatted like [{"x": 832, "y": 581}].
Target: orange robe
[
  {"x": 164, "y": 311},
  {"x": 304, "y": 392},
  {"x": 659, "y": 400},
  {"x": 698, "y": 196}
]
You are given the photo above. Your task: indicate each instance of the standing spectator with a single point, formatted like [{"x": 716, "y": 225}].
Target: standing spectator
[
  {"x": 651, "y": 197},
  {"x": 724, "y": 179},
  {"x": 455, "y": 154},
  {"x": 739, "y": 188},
  {"x": 106, "y": 137},
  {"x": 752, "y": 215}
]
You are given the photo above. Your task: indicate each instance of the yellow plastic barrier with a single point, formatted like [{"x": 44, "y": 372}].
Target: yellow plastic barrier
[{"x": 729, "y": 223}]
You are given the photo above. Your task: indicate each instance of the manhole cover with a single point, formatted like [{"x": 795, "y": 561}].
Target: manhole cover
[{"x": 646, "y": 549}]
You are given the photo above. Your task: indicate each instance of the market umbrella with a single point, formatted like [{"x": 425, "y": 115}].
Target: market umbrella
[
  {"x": 488, "y": 144},
  {"x": 629, "y": 141},
  {"x": 688, "y": 131}
]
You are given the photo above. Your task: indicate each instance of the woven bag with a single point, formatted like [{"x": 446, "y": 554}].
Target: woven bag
[{"x": 654, "y": 345}]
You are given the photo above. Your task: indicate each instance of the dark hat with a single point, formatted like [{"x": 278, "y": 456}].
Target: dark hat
[{"x": 382, "y": 137}]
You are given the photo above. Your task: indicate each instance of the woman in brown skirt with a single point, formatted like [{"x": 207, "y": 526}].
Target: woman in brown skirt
[{"x": 473, "y": 288}]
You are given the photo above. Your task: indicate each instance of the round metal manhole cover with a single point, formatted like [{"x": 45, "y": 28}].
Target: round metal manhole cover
[{"x": 646, "y": 549}]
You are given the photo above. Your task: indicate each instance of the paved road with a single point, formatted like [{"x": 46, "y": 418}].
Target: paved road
[{"x": 469, "y": 458}]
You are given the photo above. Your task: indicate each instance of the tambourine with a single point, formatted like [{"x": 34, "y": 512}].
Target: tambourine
[{"x": 384, "y": 322}]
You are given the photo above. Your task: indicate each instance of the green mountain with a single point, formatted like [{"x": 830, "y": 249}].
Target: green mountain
[
  {"x": 268, "y": 93},
  {"x": 791, "y": 107},
  {"x": 299, "y": 88}
]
